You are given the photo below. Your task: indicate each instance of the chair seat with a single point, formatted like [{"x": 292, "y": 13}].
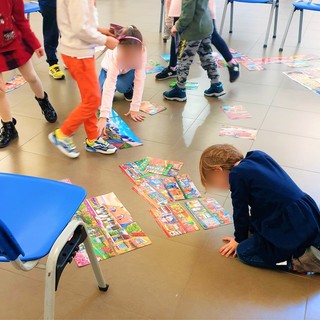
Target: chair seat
[
  {"x": 36, "y": 211},
  {"x": 31, "y": 7},
  {"x": 252, "y": 1},
  {"x": 307, "y": 6}
]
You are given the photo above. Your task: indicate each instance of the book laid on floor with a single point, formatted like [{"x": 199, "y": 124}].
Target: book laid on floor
[
  {"x": 14, "y": 83},
  {"x": 156, "y": 181},
  {"x": 236, "y": 112},
  {"x": 173, "y": 188},
  {"x": 151, "y": 108},
  {"x": 187, "y": 186},
  {"x": 208, "y": 212},
  {"x": 174, "y": 220}
]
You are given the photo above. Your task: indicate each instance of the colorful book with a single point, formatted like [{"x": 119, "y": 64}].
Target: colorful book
[
  {"x": 155, "y": 198},
  {"x": 238, "y": 132},
  {"x": 236, "y": 112},
  {"x": 174, "y": 220},
  {"x": 119, "y": 134},
  {"x": 154, "y": 67},
  {"x": 187, "y": 186},
  {"x": 131, "y": 171},
  {"x": 151, "y": 108},
  {"x": 173, "y": 188},
  {"x": 208, "y": 212},
  {"x": 111, "y": 228},
  {"x": 156, "y": 181},
  {"x": 15, "y": 83},
  {"x": 166, "y": 57},
  {"x": 189, "y": 85}
]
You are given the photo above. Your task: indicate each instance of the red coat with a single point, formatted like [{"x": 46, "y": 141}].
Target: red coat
[{"x": 14, "y": 25}]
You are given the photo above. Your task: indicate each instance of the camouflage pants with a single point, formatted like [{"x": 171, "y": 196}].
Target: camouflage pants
[{"x": 186, "y": 53}]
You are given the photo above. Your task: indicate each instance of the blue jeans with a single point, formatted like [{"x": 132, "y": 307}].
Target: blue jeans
[
  {"x": 124, "y": 81},
  {"x": 249, "y": 250},
  {"x": 50, "y": 33}
]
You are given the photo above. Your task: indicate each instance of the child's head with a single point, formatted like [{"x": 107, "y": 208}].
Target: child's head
[
  {"x": 216, "y": 163},
  {"x": 130, "y": 43}
]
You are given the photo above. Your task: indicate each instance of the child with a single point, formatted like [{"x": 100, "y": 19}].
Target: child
[
  {"x": 168, "y": 22},
  {"x": 17, "y": 45},
  {"x": 77, "y": 21},
  {"x": 283, "y": 220},
  {"x": 216, "y": 40},
  {"x": 51, "y": 36},
  {"x": 195, "y": 29},
  {"x": 123, "y": 69}
]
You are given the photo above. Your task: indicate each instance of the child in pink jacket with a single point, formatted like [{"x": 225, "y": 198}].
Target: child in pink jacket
[{"x": 123, "y": 70}]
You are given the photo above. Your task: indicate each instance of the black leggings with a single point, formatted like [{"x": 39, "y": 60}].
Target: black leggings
[{"x": 216, "y": 40}]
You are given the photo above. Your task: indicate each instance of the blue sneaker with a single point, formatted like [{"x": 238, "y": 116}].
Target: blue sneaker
[
  {"x": 215, "y": 90},
  {"x": 176, "y": 94},
  {"x": 101, "y": 146},
  {"x": 66, "y": 145}
]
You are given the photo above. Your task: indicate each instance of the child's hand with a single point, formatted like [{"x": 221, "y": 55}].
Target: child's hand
[
  {"x": 102, "y": 126},
  {"x": 230, "y": 248},
  {"x": 135, "y": 116},
  {"x": 111, "y": 43},
  {"x": 106, "y": 32},
  {"x": 174, "y": 30},
  {"x": 39, "y": 52}
]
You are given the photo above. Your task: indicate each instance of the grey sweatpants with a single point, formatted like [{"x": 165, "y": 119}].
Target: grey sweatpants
[{"x": 186, "y": 53}]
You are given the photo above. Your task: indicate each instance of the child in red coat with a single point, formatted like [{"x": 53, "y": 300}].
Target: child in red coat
[{"x": 17, "y": 45}]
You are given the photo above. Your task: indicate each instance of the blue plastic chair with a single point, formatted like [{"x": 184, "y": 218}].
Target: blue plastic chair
[
  {"x": 35, "y": 222},
  {"x": 298, "y": 5},
  {"x": 274, "y": 11},
  {"x": 31, "y": 7}
]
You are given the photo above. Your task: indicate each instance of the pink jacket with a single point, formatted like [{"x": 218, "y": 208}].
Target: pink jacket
[
  {"x": 114, "y": 68},
  {"x": 175, "y": 8}
]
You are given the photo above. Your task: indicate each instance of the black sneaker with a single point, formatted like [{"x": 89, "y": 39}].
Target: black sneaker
[
  {"x": 166, "y": 73},
  {"x": 128, "y": 95},
  {"x": 47, "y": 109},
  {"x": 234, "y": 72}
]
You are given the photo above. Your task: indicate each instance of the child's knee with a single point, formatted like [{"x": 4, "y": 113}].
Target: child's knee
[{"x": 32, "y": 78}]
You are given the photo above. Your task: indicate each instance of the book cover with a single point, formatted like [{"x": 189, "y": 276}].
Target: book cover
[
  {"x": 154, "y": 67},
  {"x": 156, "y": 181},
  {"x": 208, "y": 212},
  {"x": 14, "y": 83},
  {"x": 189, "y": 85},
  {"x": 173, "y": 188},
  {"x": 155, "y": 198},
  {"x": 151, "y": 108},
  {"x": 236, "y": 112},
  {"x": 238, "y": 132},
  {"x": 187, "y": 186}
]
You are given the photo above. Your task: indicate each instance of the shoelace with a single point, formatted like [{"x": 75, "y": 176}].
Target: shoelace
[
  {"x": 56, "y": 69},
  {"x": 70, "y": 143}
]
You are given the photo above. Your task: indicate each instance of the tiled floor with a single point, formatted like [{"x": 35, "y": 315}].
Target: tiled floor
[{"x": 182, "y": 277}]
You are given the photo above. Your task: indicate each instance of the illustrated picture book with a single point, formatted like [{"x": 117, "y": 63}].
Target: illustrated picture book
[
  {"x": 15, "y": 83},
  {"x": 187, "y": 186},
  {"x": 154, "y": 67},
  {"x": 238, "y": 132},
  {"x": 189, "y": 85},
  {"x": 173, "y": 188},
  {"x": 166, "y": 57},
  {"x": 174, "y": 220},
  {"x": 236, "y": 112},
  {"x": 151, "y": 108},
  {"x": 208, "y": 212},
  {"x": 119, "y": 134}
]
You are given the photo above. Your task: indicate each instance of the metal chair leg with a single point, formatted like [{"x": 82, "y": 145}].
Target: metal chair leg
[
  {"x": 300, "y": 26},
  {"x": 223, "y": 16},
  {"x": 231, "y": 17},
  {"x": 161, "y": 16},
  {"x": 287, "y": 29},
  {"x": 269, "y": 25},
  {"x": 276, "y": 20}
]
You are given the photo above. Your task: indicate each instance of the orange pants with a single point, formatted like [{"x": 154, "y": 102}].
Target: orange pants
[{"x": 83, "y": 71}]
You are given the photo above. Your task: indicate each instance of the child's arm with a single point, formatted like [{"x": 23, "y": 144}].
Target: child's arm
[
  {"x": 187, "y": 15},
  {"x": 23, "y": 25}
]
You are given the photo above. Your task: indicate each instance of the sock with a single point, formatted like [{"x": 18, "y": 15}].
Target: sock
[
  {"x": 60, "y": 135},
  {"x": 173, "y": 68},
  {"x": 232, "y": 62},
  {"x": 90, "y": 142}
]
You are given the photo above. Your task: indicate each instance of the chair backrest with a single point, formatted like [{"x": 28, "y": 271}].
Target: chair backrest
[{"x": 9, "y": 247}]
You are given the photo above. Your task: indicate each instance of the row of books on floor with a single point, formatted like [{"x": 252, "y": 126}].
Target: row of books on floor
[{"x": 175, "y": 199}]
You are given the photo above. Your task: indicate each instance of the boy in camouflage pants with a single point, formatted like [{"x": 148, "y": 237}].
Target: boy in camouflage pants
[{"x": 195, "y": 29}]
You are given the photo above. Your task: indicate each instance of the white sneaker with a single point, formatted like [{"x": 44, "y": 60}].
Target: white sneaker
[
  {"x": 101, "y": 146},
  {"x": 66, "y": 145}
]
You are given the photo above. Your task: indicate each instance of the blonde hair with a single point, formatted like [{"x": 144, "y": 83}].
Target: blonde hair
[{"x": 223, "y": 156}]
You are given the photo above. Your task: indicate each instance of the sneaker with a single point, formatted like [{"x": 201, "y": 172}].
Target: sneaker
[
  {"x": 55, "y": 72},
  {"x": 166, "y": 73},
  {"x": 128, "y": 95},
  {"x": 176, "y": 94},
  {"x": 101, "y": 146},
  {"x": 215, "y": 90},
  {"x": 234, "y": 72},
  {"x": 66, "y": 145},
  {"x": 309, "y": 261},
  {"x": 47, "y": 109}
]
